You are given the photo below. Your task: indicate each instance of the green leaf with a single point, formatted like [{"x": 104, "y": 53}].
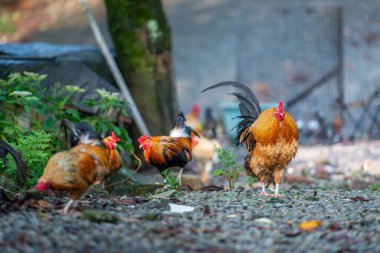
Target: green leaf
[{"x": 218, "y": 172}]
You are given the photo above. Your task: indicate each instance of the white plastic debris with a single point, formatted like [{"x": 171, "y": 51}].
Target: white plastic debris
[{"x": 174, "y": 208}]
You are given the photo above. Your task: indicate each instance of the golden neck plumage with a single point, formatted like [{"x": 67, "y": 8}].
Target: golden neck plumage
[{"x": 268, "y": 130}]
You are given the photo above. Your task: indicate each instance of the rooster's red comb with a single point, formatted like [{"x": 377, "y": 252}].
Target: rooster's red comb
[
  {"x": 142, "y": 138},
  {"x": 115, "y": 138}
]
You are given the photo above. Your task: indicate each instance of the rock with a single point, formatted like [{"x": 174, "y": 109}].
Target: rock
[
  {"x": 321, "y": 172},
  {"x": 96, "y": 215},
  {"x": 298, "y": 179},
  {"x": 163, "y": 195},
  {"x": 358, "y": 184}
]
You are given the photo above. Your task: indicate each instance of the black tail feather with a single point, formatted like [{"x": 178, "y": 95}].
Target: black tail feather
[
  {"x": 180, "y": 120},
  {"x": 74, "y": 131},
  {"x": 249, "y": 105}
]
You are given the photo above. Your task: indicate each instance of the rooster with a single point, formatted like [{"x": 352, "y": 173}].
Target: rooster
[
  {"x": 89, "y": 162},
  {"x": 270, "y": 137},
  {"x": 164, "y": 152}
]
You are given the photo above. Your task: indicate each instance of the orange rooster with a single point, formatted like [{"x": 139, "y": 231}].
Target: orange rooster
[
  {"x": 169, "y": 151},
  {"x": 89, "y": 162},
  {"x": 270, "y": 137}
]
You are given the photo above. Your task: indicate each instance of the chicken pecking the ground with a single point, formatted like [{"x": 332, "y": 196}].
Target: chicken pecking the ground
[
  {"x": 89, "y": 162},
  {"x": 164, "y": 152},
  {"x": 270, "y": 137}
]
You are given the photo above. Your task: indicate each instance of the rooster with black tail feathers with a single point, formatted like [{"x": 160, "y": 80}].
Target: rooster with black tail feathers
[
  {"x": 164, "y": 152},
  {"x": 270, "y": 137}
]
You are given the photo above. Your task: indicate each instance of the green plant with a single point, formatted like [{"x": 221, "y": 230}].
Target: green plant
[
  {"x": 108, "y": 104},
  {"x": 36, "y": 149},
  {"x": 230, "y": 169},
  {"x": 251, "y": 181},
  {"x": 170, "y": 181},
  {"x": 375, "y": 186}
]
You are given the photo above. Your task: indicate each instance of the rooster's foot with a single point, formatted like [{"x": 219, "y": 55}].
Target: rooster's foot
[{"x": 264, "y": 193}]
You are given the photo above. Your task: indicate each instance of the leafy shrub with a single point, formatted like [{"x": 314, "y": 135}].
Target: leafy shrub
[
  {"x": 230, "y": 169},
  {"x": 375, "y": 186},
  {"x": 30, "y": 117},
  {"x": 171, "y": 182}
]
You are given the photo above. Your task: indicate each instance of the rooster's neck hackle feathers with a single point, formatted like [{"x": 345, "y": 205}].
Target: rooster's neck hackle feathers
[
  {"x": 286, "y": 129},
  {"x": 181, "y": 129}
]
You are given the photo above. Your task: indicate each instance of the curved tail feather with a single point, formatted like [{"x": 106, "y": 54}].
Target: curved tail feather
[{"x": 249, "y": 105}]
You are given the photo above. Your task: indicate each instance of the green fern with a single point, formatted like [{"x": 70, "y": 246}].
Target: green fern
[{"x": 36, "y": 149}]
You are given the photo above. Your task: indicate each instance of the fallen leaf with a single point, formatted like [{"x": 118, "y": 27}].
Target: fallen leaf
[
  {"x": 44, "y": 204},
  {"x": 174, "y": 208},
  {"x": 310, "y": 225},
  {"x": 206, "y": 210},
  {"x": 359, "y": 198},
  {"x": 167, "y": 230},
  {"x": 175, "y": 200},
  {"x": 189, "y": 188},
  {"x": 293, "y": 233},
  {"x": 212, "y": 188},
  {"x": 334, "y": 227}
]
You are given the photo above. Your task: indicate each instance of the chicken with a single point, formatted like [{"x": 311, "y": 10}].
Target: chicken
[
  {"x": 89, "y": 162},
  {"x": 164, "y": 152},
  {"x": 209, "y": 126},
  {"x": 205, "y": 155},
  {"x": 270, "y": 137},
  {"x": 192, "y": 118}
]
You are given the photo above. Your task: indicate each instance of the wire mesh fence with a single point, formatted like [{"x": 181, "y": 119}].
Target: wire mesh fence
[{"x": 293, "y": 54}]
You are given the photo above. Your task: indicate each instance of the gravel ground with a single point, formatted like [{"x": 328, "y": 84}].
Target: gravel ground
[{"x": 223, "y": 221}]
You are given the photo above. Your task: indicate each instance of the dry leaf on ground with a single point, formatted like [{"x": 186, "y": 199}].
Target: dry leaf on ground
[{"x": 309, "y": 225}]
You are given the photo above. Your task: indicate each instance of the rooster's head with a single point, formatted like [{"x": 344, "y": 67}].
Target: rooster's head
[
  {"x": 111, "y": 141},
  {"x": 279, "y": 112},
  {"x": 145, "y": 142}
]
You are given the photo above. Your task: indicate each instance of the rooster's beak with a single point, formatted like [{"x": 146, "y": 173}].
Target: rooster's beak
[{"x": 140, "y": 146}]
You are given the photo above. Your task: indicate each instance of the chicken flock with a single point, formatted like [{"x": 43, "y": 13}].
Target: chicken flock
[{"x": 270, "y": 138}]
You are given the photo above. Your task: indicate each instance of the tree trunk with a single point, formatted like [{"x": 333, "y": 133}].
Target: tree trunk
[{"x": 141, "y": 36}]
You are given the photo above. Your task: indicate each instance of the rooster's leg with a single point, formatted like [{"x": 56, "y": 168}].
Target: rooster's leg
[
  {"x": 67, "y": 206},
  {"x": 263, "y": 191},
  {"x": 180, "y": 176},
  {"x": 276, "y": 194}
]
